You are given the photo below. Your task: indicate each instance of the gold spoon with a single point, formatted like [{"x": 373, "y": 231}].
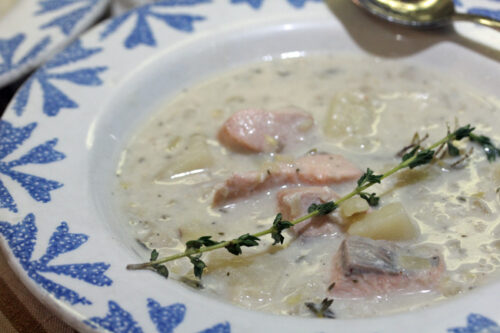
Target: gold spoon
[{"x": 422, "y": 13}]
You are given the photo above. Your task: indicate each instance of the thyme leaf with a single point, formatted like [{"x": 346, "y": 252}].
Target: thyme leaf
[
  {"x": 410, "y": 154},
  {"x": 369, "y": 178},
  {"x": 485, "y": 142},
  {"x": 452, "y": 149},
  {"x": 198, "y": 243},
  {"x": 422, "y": 157},
  {"x": 463, "y": 132},
  {"x": 160, "y": 269},
  {"x": 279, "y": 225},
  {"x": 321, "y": 310},
  {"x": 198, "y": 265},
  {"x": 371, "y": 198},
  {"x": 234, "y": 246},
  {"x": 322, "y": 209},
  {"x": 154, "y": 255}
]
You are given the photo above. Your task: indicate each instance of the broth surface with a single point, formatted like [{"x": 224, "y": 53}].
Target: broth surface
[{"x": 378, "y": 106}]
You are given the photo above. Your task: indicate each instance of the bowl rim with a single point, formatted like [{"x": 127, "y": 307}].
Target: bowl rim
[{"x": 48, "y": 131}]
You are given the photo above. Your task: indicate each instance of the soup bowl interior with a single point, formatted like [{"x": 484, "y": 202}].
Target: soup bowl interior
[{"x": 159, "y": 78}]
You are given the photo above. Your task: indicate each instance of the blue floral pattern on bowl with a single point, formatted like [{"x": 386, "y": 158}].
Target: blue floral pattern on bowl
[
  {"x": 53, "y": 98},
  {"x": 165, "y": 318},
  {"x": 22, "y": 239},
  {"x": 11, "y": 138},
  {"x": 477, "y": 324},
  {"x": 44, "y": 248},
  {"x": 52, "y": 24}
]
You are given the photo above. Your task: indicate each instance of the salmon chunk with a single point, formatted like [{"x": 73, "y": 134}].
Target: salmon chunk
[
  {"x": 364, "y": 267},
  {"x": 293, "y": 203},
  {"x": 264, "y": 131},
  {"x": 308, "y": 170}
]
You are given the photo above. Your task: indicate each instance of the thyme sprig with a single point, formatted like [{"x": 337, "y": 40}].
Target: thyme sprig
[
  {"x": 321, "y": 310},
  {"x": 485, "y": 142},
  {"x": 279, "y": 225},
  {"x": 417, "y": 156}
]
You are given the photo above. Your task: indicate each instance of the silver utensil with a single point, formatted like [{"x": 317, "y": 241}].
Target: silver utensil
[{"x": 422, "y": 13}]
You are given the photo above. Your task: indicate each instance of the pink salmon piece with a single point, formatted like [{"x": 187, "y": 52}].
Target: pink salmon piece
[
  {"x": 294, "y": 202},
  {"x": 263, "y": 131},
  {"x": 365, "y": 268},
  {"x": 316, "y": 169}
]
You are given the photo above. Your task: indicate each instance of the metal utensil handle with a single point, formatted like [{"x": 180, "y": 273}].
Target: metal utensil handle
[{"x": 487, "y": 21}]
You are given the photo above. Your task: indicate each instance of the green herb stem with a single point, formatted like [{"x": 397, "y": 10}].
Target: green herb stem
[
  {"x": 414, "y": 159},
  {"x": 213, "y": 247},
  {"x": 392, "y": 171}
]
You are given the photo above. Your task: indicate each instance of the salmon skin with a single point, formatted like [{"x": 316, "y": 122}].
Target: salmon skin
[
  {"x": 264, "y": 131},
  {"x": 364, "y": 267},
  {"x": 318, "y": 169}
]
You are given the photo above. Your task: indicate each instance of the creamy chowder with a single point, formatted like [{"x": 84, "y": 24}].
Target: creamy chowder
[{"x": 364, "y": 109}]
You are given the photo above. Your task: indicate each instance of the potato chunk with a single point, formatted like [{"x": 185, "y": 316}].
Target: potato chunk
[
  {"x": 195, "y": 156},
  {"x": 351, "y": 118},
  {"x": 353, "y": 206},
  {"x": 391, "y": 222}
]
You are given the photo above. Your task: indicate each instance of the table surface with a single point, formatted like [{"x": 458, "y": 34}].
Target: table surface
[{"x": 20, "y": 311}]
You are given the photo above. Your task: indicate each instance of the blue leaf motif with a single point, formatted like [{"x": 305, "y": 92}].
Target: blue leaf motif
[
  {"x": 11, "y": 138},
  {"x": 21, "y": 98},
  {"x": 301, "y": 3},
  {"x": 253, "y": 3},
  {"x": 6, "y": 200},
  {"x": 219, "y": 328},
  {"x": 39, "y": 188},
  {"x": 72, "y": 54},
  {"x": 59, "y": 291},
  {"x": 174, "y": 3},
  {"x": 115, "y": 24},
  {"x": 477, "y": 323},
  {"x": 87, "y": 76},
  {"x": 21, "y": 238},
  {"x": 68, "y": 20},
  {"x": 62, "y": 241},
  {"x": 142, "y": 32},
  {"x": 116, "y": 320},
  {"x": 54, "y": 99},
  {"x": 35, "y": 50},
  {"x": 41, "y": 154},
  {"x": 8, "y": 48},
  {"x": 54, "y": 5},
  {"x": 179, "y": 21},
  {"x": 256, "y": 4},
  {"x": 166, "y": 319},
  {"x": 91, "y": 273}
]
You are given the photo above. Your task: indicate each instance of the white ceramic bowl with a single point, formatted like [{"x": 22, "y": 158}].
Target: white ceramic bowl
[
  {"x": 68, "y": 124},
  {"x": 32, "y": 31}
]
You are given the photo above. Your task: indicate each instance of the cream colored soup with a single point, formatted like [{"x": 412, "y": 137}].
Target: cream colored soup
[
  {"x": 364, "y": 109},
  {"x": 6, "y": 5}
]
